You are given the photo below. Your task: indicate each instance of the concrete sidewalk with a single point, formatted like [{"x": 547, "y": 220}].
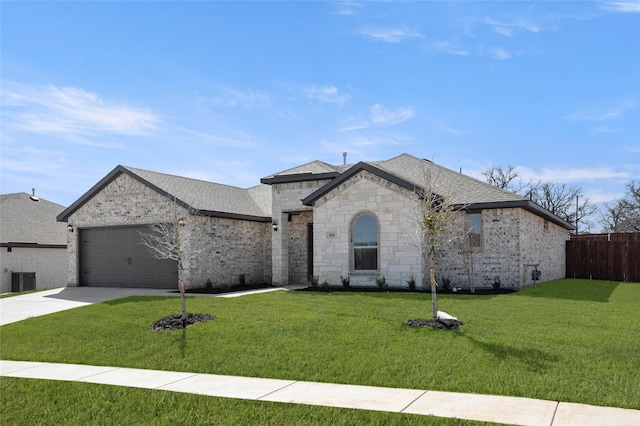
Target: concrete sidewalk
[{"x": 488, "y": 408}]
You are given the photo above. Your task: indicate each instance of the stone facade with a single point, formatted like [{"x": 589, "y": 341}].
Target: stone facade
[
  {"x": 399, "y": 254},
  {"x": 219, "y": 249}
]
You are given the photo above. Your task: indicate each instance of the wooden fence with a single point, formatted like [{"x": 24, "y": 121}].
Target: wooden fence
[{"x": 614, "y": 257}]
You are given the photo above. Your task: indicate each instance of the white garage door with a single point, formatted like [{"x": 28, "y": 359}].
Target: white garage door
[{"x": 115, "y": 257}]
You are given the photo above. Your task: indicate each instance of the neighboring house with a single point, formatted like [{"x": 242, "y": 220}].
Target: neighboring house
[
  {"x": 315, "y": 220},
  {"x": 33, "y": 244}
]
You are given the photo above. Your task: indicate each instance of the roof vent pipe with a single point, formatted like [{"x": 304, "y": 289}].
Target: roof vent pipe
[
  {"x": 33, "y": 196},
  {"x": 344, "y": 158}
]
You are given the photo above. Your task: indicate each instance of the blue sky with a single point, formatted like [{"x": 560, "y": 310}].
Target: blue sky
[{"x": 234, "y": 91}]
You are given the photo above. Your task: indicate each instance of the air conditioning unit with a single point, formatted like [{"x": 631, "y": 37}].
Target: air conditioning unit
[{"x": 23, "y": 281}]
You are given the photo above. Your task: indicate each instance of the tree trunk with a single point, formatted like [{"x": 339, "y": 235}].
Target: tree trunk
[
  {"x": 434, "y": 284},
  {"x": 184, "y": 312}
]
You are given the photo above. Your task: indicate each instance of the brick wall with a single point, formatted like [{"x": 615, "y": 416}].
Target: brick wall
[
  {"x": 286, "y": 199},
  {"x": 511, "y": 239}
]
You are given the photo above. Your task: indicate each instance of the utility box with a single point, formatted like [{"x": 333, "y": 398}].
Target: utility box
[{"x": 23, "y": 281}]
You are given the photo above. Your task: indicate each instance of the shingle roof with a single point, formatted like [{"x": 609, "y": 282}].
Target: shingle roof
[
  {"x": 461, "y": 188},
  {"x": 23, "y": 220},
  {"x": 414, "y": 173},
  {"x": 206, "y": 198}
]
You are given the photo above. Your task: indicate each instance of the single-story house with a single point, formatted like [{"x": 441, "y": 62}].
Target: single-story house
[
  {"x": 316, "y": 220},
  {"x": 33, "y": 245}
]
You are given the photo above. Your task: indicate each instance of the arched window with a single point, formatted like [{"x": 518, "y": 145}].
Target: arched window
[{"x": 365, "y": 243}]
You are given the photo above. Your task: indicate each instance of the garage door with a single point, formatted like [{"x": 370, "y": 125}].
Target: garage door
[{"x": 115, "y": 257}]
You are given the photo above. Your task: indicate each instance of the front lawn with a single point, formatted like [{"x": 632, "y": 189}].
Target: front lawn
[{"x": 569, "y": 340}]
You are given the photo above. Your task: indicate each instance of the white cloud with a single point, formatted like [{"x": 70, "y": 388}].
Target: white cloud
[
  {"x": 499, "y": 52},
  {"x": 327, "y": 94},
  {"x": 448, "y": 129},
  {"x": 449, "y": 47},
  {"x": 347, "y": 8},
  {"x": 233, "y": 97},
  {"x": 600, "y": 114},
  {"x": 390, "y": 35},
  {"x": 72, "y": 111},
  {"x": 384, "y": 117},
  {"x": 622, "y": 6},
  {"x": 507, "y": 28}
]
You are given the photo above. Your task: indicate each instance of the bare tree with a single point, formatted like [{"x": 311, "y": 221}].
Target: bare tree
[
  {"x": 558, "y": 198},
  {"x": 167, "y": 241},
  {"x": 436, "y": 219},
  {"x": 507, "y": 178},
  {"x": 623, "y": 215},
  {"x": 564, "y": 201},
  {"x": 501, "y": 177}
]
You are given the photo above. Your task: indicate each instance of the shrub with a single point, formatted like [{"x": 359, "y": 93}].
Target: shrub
[
  {"x": 209, "y": 284},
  {"x": 382, "y": 282},
  {"x": 446, "y": 284},
  {"x": 496, "y": 283},
  {"x": 225, "y": 286},
  {"x": 346, "y": 281},
  {"x": 242, "y": 279},
  {"x": 314, "y": 280},
  {"x": 412, "y": 282},
  {"x": 325, "y": 285}
]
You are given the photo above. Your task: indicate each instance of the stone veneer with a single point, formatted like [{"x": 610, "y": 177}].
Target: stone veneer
[
  {"x": 399, "y": 254},
  {"x": 219, "y": 249}
]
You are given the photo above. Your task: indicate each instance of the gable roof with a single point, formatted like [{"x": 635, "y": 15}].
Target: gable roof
[
  {"x": 24, "y": 221},
  {"x": 315, "y": 170},
  {"x": 204, "y": 198},
  {"x": 411, "y": 173}
]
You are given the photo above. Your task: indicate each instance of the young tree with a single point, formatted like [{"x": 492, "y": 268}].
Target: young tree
[
  {"x": 167, "y": 241},
  {"x": 436, "y": 219}
]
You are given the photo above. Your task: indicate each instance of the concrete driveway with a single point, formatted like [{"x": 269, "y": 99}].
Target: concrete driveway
[{"x": 18, "y": 308}]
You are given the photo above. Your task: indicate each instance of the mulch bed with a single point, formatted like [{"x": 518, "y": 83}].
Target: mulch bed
[
  {"x": 335, "y": 289},
  {"x": 174, "y": 322},
  {"x": 441, "y": 324}
]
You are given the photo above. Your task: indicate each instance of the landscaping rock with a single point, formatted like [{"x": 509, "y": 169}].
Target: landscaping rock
[
  {"x": 174, "y": 322},
  {"x": 440, "y": 324}
]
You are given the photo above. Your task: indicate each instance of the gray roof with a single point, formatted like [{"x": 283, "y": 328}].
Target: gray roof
[
  {"x": 414, "y": 174},
  {"x": 461, "y": 188},
  {"x": 23, "y": 220},
  {"x": 206, "y": 198}
]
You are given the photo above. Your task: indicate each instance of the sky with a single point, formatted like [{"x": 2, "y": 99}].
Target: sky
[{"x": 231, "y": 92}]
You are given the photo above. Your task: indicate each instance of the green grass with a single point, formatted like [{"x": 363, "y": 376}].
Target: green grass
[{"x": 569, "y": 340}]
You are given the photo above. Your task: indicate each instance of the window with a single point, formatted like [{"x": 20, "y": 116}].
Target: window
[
  {"x": 475, "y": 230},
  {"x": 365, "y": 243}
]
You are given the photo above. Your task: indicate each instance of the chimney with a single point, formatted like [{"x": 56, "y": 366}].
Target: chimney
[{"x": 344, "y": 158}]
